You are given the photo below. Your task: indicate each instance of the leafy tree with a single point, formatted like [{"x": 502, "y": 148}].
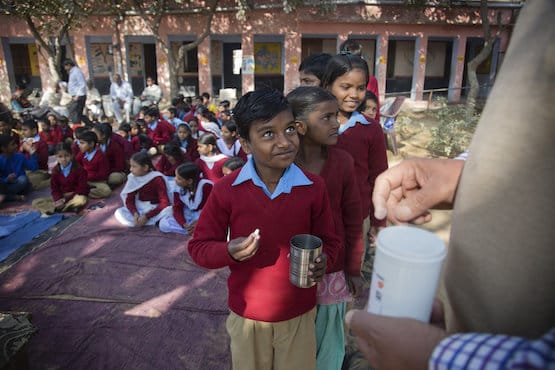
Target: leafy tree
[{"x": 50, "y": 22}]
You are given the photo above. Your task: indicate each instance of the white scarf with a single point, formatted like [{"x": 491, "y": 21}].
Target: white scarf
[
  {"x": 211, "y": 160},
  {"x": 134, "y": 183},
  {"x": 194, "y": 202}
]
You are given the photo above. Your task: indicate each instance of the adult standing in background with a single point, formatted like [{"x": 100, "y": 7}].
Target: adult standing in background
[
  {"x": 77, "y": 88},
  {"x": 122, "y": 97}
]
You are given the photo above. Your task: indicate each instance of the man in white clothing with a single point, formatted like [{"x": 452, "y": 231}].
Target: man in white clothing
[
  {"x": 122, "y": 97},
  {"x": 94, "y": 100},
  {"x": 77, "y": 88},
  {"x": 150, "y": 95}
]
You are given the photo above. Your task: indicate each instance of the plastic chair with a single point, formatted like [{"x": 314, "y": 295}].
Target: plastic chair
[{"x": 389, "y": 112}]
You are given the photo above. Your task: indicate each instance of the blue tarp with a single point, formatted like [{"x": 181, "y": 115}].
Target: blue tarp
[{"x": 19, "y": 229}]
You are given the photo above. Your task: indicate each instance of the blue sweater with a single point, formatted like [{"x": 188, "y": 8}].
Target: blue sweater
[{"x": 16, "y": 164}]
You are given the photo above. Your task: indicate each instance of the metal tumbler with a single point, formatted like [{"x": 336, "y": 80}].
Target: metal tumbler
[{"x": 304, "y": 249}]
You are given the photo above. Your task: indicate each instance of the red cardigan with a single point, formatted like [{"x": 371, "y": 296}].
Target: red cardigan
[
  {"x": 126, "y": 147},
  {"x": 160, "y": 135},
  {"x": 154, "y": 192},
  {"x": 340, "y": 177},
  {"x": 179, "y": 206},
  {"x": 163, "y": 165},
  {"x": 213, "y": 174},
  {"x": 259, "y": 288},
  {"x": 98, "y": 169},
  {"x": 115, "y": 155},
  {"x": 366, "y": 144},
  {"x": 75, "y": 182}
]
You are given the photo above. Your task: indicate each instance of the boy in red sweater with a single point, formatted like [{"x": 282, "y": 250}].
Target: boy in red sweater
[
  {"x": 93, "y": 160},
  {"x": 68, "y": 184},
  {"x": 40, "y": 178},
  {"x": 157, "y": 130},
  {"x": 264, "y": 205}
]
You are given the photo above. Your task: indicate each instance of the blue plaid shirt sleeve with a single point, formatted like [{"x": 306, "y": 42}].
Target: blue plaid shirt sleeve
[{"x": 494, "y": 352}]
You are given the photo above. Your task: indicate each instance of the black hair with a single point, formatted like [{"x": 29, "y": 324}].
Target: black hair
[
  {"x": 315, "y": 64},
  {"x": 173, "y": 110},
  {"x": 189, "y": 170},
  {"x": 30, "y": 124},
  {"x": 193, "y": 119},
  {"x": 145, "y": 141},
  {"x": 205, "y": 95},
  {"x": 104, "y": 128},
  {"x": 125, "y": 127},
  {"x": 63, "y": 119},
  {"x": 141, "y": 122},
  {"x": 153, "y": 112},
  {"x": 258, "y": 106},
  {"x": 304, "y": 99},
  {"x": 230, "y": 125},
  {"x": 351, "y": 46},
  {"x": 340, "y": 64},
  {"x": 5, "y": 140},
  {"x": 209, "y": 139},
  {"x": 88, "y": 137},
  {"x": 234, "y": 163},
  {"x": 172, "y": 149},
  {"x": 369, "y": 96},
  {"x": 176, "y": 101},
  {"x": 142, "y": 159},
  {"x": 63, "y": 146},
  {"x": 79, "y": 131},
  {"x": 68, "y": 62},
  {"x": 206, "y": 113},
  {"x": 225, "y": 103}
]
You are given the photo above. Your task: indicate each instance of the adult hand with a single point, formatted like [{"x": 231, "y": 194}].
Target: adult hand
[
  {"x": 317, "y": 270},
  {"x": 393, "y": 343},
  {"x": 406, "y": 192},
  {"x": 242, "y": 248}
]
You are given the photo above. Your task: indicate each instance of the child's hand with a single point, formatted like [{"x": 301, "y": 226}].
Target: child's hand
[
  {"x": 191, "y": 227},
  {"x": 11, "y": 177},
  {"x": 59, "y": 203},
  {"x": 242, "y": 249},
  {"x": 317, "y": 270},
  {"x": 355, "y": 285},
  {"x": 141, "y": 221}
]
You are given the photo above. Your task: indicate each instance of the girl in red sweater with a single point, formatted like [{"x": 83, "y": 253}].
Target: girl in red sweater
[
  {"x": 315, "y": 113},
  {"x": 184, "y": 139},
  {"x": 144, "y": 195},
  {"x": 68, "y": 184},
  {"x": 346, "y": 78},
  {"x": 189, "y": 196},
  {"x": 170, "y": 160},
  {"x": 211, "y": 160}
]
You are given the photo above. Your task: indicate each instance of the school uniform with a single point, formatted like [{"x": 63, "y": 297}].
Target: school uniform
[
  {"x": 211, "y": 167},
  {"x": 116, "y": 159},
  {"x": 165, "y": 167},
  {"x": 260, "y": 293},
  {"x": 39, "y": 178},
  {"x": 364, "y": 140},
  {"x": 126, "y": 147},
  {"x": 98, "y": 169},
  {"x": 158, "y": 132},
  {"x": 235, "y": 151},
  {"x": 146, "y": 195},
  {"x": 189, "y": 148},
  {"x": 186, "y": 207},
  {"x": 135, "y": 144},
  {"x": 17, "y": 164},
  {"x": 69, "y": 183}
]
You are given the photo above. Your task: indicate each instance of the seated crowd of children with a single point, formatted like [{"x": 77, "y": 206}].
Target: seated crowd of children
[{"x": 168, "y": 165}]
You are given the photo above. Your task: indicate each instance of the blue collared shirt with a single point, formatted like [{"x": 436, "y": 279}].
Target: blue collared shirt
[
  {"x": 355, "y": 117},
  {"x": 36, "y": 138},
  {"x": 89, "y": 156},
  {"x": 152, "y": 126},
  {"x": 66, "y": 170},
  {"x": 104, "y": 146},
  {"x": 293, "y": 176}
]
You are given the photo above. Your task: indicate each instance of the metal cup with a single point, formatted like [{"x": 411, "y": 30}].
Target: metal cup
[{"x": 304, "y": 249}]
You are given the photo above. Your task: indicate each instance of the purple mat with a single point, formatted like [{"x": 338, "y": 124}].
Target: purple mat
[{"x": 105, "y": 296}]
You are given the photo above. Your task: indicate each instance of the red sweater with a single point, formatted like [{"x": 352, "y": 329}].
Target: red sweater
[
  {"x": 42, "y": 153},
  {"x": 160, "y": 135},
  {"x": 179, "y": 206},
  {"x": 153, "y": 192},
  {"x": 75, "y": 182},
  {"x": 126, "y": 147},
  {"x": 51, "y": 136},
  {"x": 340, "y": 177},
  {"x": 366, "y": 144},
  {"x": 135, "y": 145},
  {"x": 259, "y": 287},
  {"x": 98, "y": 169},
  {"x": 116, "y": 158},
  {"x": 163, "y": 165},
  {"x": 213, "y": 174}
]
